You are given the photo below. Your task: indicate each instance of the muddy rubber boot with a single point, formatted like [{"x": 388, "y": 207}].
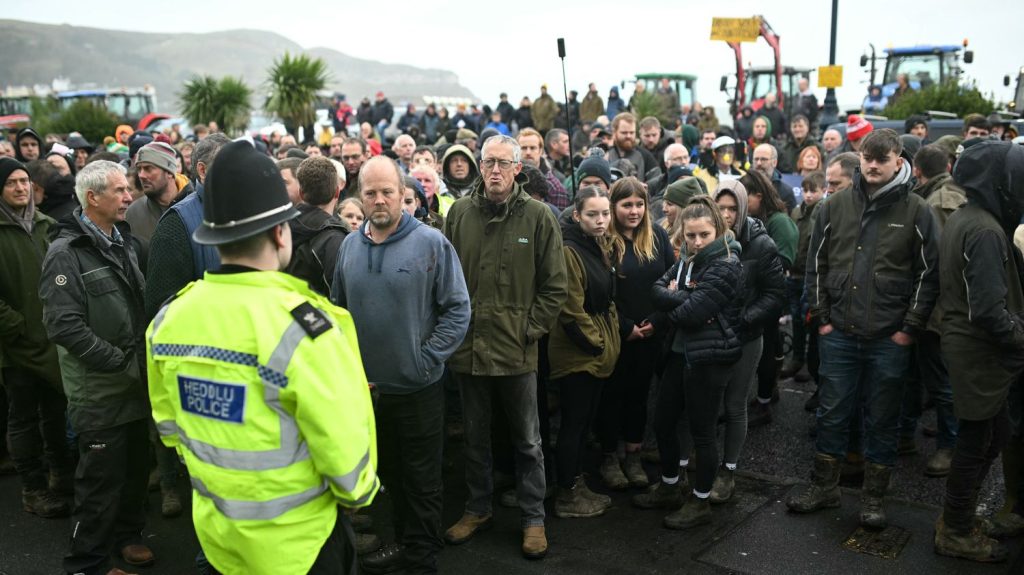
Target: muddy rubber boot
[
  {"x": 611, "y": 472},
  {"x": 823, "y": 492},
  {"x": 635, "y": 470},
  {"x": 724, "y": 486},
  {"x": 661, "y": 496},
  {"x": 695, "y": 511},
  {"x": 571, "y": 503},
  {"x": 939, "y": 463},
  {"x": 876, "y": 483},
  {"x": 972, "y": 545}
]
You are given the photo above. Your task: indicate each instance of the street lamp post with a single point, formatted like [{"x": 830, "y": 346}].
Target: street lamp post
[{"x": 830, "y": 113}]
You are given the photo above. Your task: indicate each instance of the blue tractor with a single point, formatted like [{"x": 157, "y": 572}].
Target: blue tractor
[{"x": 924, "y": 65}]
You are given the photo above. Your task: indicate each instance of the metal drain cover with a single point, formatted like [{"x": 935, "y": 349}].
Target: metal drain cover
[{"x": 887, "y": 543}]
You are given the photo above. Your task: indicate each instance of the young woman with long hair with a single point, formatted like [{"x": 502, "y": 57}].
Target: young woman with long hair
[
  {"x": 583, "y": 347},
  {"x": 645, "y": 255},
  {"x": 699, "y": 294}
]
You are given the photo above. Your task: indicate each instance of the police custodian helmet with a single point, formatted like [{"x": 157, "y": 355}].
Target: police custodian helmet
[{"x": 243, "y": 195}]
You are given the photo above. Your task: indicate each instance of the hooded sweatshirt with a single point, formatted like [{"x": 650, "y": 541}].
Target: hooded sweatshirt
[
  {"x": 408, "y": 296},
  {"x": 459, "y": 187},
  {"x": 22, "y": 134},
  {"x": 738, "y": 191}
]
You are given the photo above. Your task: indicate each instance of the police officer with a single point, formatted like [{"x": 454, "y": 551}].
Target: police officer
[{"x": 257, "y": 382}]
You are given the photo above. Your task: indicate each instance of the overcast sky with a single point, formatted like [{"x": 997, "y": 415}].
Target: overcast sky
[{"x": 607, "y": 41}]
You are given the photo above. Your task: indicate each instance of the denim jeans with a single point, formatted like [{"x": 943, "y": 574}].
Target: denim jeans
[
  {"x": 852, "y": 368},
  {"x": 517, "y": 395},
  {"x": 930, "y": 371}
]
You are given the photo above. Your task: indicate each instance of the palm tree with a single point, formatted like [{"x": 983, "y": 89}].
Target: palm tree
[
  {"x": 227, "y": 102},
  {"x": 293, "y": 83}
]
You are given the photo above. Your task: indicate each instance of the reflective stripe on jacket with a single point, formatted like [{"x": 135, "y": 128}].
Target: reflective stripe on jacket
[{"x": 257, "y": 382}]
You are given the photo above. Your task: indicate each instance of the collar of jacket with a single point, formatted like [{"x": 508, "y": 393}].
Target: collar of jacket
[
  {"x": 82, "y": 235},
  {"x": 515, "y": 202},
  {"x": 925, "y": 190}
]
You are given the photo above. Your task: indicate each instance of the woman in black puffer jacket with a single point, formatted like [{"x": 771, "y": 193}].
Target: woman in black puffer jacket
[
  {"x": 699, "y": 293},
  {"x": 763, "y": 295}
]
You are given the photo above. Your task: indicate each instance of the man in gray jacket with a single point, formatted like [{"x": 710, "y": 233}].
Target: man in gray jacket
[{"x": 403, "y": 284}]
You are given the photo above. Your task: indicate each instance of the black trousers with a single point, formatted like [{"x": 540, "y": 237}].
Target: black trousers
[
  {"x": 623, "y": 411},
  {"x": 110, "y": 495},
  {"x": 410, "y": 444},
  {"x": 581, "y": 394},
  {"x": 699, "y": 390},
  {"x": 336, "y": 557},
  {"x": 977, "y": 446},
  {"x": 35, "y": 427}
]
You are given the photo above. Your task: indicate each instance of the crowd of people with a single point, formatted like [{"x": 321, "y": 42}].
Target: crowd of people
[{"x": 301, "y": 323}]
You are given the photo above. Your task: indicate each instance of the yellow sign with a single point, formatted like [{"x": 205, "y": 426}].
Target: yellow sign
[
  {"x": 735, "y": 29},
  {"x": 830, "y": 76}
]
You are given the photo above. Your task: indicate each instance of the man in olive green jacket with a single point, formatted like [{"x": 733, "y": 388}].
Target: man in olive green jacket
[
  {"x": 31, "y": 375},
  {"x": 511, "y": 253}
]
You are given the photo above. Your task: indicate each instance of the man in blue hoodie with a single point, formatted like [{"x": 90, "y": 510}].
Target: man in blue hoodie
[{"x": 403, "y": 284}]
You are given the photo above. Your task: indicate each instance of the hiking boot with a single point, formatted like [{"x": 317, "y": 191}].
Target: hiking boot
[
  {"x": 387, "y": 559},
  {"x": 876, "y": 483},
  {"x": 572, "y": 503},
  {"x": 790, "y": 368},
  {"x": 170, "y": 502},
  {"x": 939, "y": 463},
  {"x": 696, "y": 511},
  {"x": 466, "y": 527},
  {"x": 812, "y": 402},
  {"x": 724, "y": 485},
  {"x": 1005, "y": 525},
  {"x": 661, "y": 496},
  {"x": 366, "y": 543},
  {"x": 635, "y": 470},
  {"x": 972, "y": 545},
  {"x": 758, "y": 415},
  {"x": 611, "y": 472},
  {"x": 138, "y": 555},
  {"x": 906, "y": 446},
  {"x": 535, "y": 543},
  {"x": 596, "y": 497},
  {"x": 823, "y": 492},
  {"x": 44, "y": 503},
  {"x": 62, "y": 482}
]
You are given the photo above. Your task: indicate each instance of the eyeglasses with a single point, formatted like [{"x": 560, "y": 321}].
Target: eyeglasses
[{"x": 489, "y": 164}]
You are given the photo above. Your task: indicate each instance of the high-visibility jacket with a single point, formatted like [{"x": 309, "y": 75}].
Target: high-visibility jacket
[{"x": 257, "y": 382}]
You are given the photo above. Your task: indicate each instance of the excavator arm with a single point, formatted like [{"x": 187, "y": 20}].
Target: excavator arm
[{"x": 772, "y": 39}]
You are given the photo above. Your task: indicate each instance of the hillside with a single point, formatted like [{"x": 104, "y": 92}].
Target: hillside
[{"x": 38, "y": 53}]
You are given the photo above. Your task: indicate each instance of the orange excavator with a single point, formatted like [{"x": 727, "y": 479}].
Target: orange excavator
[{"x": 753, "y": 84}]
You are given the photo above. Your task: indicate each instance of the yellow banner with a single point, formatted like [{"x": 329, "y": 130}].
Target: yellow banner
[
  {"x": 830, "y": 77},
  {"x": 735, "y": 29}
]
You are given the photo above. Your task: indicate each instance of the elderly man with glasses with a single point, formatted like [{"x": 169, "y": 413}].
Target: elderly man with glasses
[{"x": 511, "y": 253}]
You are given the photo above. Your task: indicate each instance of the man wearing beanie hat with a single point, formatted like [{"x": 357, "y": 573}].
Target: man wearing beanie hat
[
  {"x": 257, "y": 380},
  {"x": 162, "y": 185},
  {"x": 594, "y": 171},
  {"x": 91, "y": 289},
  {"x": 31, "y": 374},
  {"x": 856, "y": 129}
]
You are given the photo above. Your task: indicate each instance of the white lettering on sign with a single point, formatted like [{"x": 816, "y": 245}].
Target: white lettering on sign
[{"x": 212, "y": 399}]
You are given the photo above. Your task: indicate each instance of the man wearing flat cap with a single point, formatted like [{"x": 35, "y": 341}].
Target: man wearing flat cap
[{"x": 257, "y": 381}]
